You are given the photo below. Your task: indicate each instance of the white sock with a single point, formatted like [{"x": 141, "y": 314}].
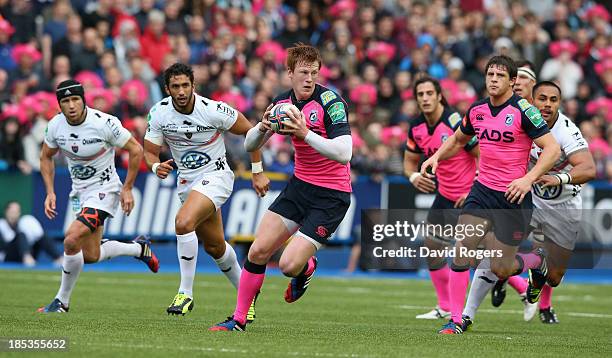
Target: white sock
[
  {"x": 71, "y": 268},
  {"x": 187, "y": 250},
  {"x": 483, "y": 282},
  {"x": 228, "y": 264},
  {"x": 112, "y": 248}
]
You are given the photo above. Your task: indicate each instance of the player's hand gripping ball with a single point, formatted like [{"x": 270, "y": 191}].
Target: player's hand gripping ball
[{"x": 278, "y": 116}]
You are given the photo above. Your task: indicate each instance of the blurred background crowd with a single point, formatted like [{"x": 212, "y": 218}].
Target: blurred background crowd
[{"x": 372, "y": 51}]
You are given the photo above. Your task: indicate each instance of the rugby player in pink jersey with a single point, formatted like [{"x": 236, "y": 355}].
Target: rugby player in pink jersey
[
  {"x": 557, "y": 205},
  {"x": 455, "y": 176},
  {"x": 316, "y": 198},
  {"x": 506, "y": 125}
]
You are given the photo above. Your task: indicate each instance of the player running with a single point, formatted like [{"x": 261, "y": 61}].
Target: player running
[
  {"x": 500, "y": 201},
  {"x": 315, "y": 199},
  {"x": 193, "y": 128},
  {"x": 525, "y": 80},
  {"x": 455, "y": 176},
  {"x": 557, "y": 202},
  {"x": 557, "y": 196},
  {"x": 87, "y": 138}
]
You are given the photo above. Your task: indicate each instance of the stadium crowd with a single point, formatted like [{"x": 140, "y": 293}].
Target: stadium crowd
[{"x": 372, "y": 52}]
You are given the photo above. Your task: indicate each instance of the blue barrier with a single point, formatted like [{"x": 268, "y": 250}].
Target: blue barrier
[{"x": 157, "y": 204}]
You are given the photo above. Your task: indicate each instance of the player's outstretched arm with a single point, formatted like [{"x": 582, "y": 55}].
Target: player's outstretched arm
[
  {"x": 583, "y": 170},
  {"x": 261, "y": 183},
  {"x": 134, "y": 150},
  {"x": 518, "y": 189},
  {"x": 151, "y": 155},
  {"x": 47, "y": 170}
]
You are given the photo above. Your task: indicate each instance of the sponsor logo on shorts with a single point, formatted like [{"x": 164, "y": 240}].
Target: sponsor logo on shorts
[
  {"x": 322, "y": 231},
  {"x": 509, "y": 119},
  {"x": 101, "y": 195},
  {"x": 204, "y": 182}
]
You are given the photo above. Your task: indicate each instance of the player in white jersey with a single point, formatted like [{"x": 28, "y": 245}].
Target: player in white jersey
[
  {"x": 87, "y": 138},
  {"x": 193, "y": 128},
  {"x": 556, "y": 199}
]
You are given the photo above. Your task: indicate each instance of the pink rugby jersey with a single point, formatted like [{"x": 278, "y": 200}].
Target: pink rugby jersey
[
  {"x": 455, "y": 175},
  {"x": 505, "y": 134},
  {"x": 326, "y": 114}
]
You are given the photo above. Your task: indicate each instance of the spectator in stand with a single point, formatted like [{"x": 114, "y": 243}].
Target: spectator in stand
[
  {"x": 12, "y": 155},
  {"x": 154, "y": 43}
]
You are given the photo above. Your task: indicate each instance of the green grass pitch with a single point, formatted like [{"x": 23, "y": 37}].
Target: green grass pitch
[{"x": 121, "y": 314}]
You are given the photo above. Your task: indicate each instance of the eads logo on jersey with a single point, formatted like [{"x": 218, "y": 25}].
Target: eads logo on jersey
[{"x": 494, "y": 135}]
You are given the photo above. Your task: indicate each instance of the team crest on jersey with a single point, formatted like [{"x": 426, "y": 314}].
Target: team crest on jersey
[
  {"x": 509, "y": 119},
  {"x": 75, "y": 148},
  {"x": 313, "y": 117},
  {"x": 327, "y": 97},
  {"x": 524, "y": 104},
  {"x": 101, "y": 195},
  {"x": 188, "y": 135}
]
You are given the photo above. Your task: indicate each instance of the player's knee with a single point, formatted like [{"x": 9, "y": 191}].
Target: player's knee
[
  {"x": 259, "y": 255},
  {"x": 184, "y": 224},
  {"x": 215, "y": 249},
  {"x": 290, "y": 268},
  {"x": 72, "y": 243}
]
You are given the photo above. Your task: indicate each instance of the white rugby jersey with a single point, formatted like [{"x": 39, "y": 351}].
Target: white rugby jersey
[
  {"x": 195, "y": 139},
  {"x": 570, "y": 139},
  {"x": 89, "y": 147}
]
